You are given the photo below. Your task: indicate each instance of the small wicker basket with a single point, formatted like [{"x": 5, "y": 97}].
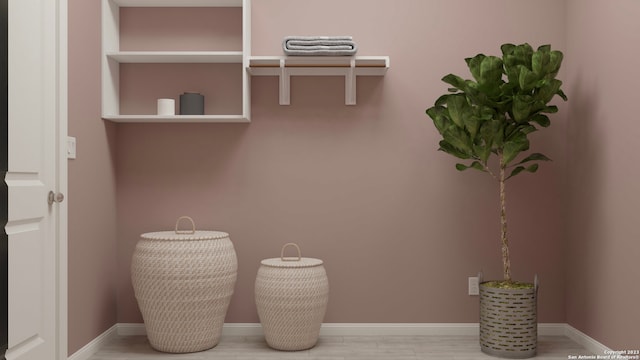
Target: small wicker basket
[
  {"x": 291, "y": 298},
  {"x": 183, "y": 281}
]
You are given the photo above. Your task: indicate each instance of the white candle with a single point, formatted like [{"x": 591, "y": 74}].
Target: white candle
[{"x": 166, "y": 107}]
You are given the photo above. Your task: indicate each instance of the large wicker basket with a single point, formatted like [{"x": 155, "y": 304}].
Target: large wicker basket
[
  {"x": 291, "y": 297},
  {"x": 183, "y": 281}
]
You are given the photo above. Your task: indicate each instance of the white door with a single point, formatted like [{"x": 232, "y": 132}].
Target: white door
[{"x": 35, "y": 114}]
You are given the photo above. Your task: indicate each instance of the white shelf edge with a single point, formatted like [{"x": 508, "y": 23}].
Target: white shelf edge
[
  {"x": 317, "y": 71},
  {"x": 176, "y": 56},
  {"x": 319, "y": 61},
  {"x": 176, "y": 119},
  {"x": 181, "y": 3}
]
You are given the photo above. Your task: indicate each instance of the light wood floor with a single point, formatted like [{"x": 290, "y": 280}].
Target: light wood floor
[{"x": 338, "y": 348}]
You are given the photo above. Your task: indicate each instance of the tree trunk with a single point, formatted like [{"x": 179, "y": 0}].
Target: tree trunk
[{"x": 506, "y": 262}]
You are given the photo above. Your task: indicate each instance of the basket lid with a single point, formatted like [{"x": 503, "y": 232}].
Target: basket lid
[
  {"x": 185, "y": 235},
  {"x": 291, "y": 262},
  {"x": 196, "y": 235}
]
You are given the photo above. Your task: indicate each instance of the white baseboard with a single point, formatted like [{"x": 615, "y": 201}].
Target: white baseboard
[
  {"x": 91, "y": 348},
  {"x": 398, "y": 329},
  {"x": 355, "y": 329},
  {"x": 363, "y": 329},
  {"x": 552, "y": 329},
  {"x": 585, "y": 340},
  {"x": 131, "y": 329}
]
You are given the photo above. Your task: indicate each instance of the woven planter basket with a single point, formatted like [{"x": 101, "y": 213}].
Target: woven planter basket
[
  {"x": 508, "y": 322},
  {"x": 183, "y": 281},
  {"x": 291, "y": 297}
]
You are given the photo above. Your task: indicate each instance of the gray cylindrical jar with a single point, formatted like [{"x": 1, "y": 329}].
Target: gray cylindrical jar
[{"x": 191, "y": 103}]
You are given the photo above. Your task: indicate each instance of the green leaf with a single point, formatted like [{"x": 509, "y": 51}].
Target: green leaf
[
  {"x": 471, "y": 124},
  {"x": 490, "y": 70},
  {"x": 451, "y": 150},
  {"x": 523, "y": 53},
  {"x": 510, "y": 131},
  {"x": 548, "y": 89},
  {"x": 440, "y": 117},
  {"x": 517, "y": 55},
  {"x": 540, "y": 61},
  {"x": 455, "y": 80},
  {"x": 522, "y": 107},
  {"x": 442, "y": 100},
  {"x": 542, "y": 120},
  {"x": 534, "y": 157},
  {"x": 513, "y": 147},
  {"x": 515, "y": 172},
  {"x": 492, "y": 132},
  {"x": 562, "y": 95},
  {"x": 527, "y": 79},
  {"x": 483, "y": 151},
  {"x": 457, "y": 106},
  {"x": 555, "y": 60},
  {"x": 474, "y": 64},
  {"x": 491, "y": 75},
  {"x": 533, "y": 168},
  {"x": 527, "y": 129},
  {"x": 459, "y": 139},
  {"x": 544, "y": 48},
  {"x": 514, "y": 57},
  {"x": 550, "y": 109},
  {"x": 507, "y": 49},
  {"x": 474, "y": 165}
]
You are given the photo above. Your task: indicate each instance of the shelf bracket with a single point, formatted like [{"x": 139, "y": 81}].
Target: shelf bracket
[
  {"x": 350, "y": 84},
  {"x": 285, "y": 84}
]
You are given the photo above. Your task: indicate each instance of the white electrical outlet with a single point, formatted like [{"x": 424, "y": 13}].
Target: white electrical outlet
[
  {"x": 474, "y": 287},
  {"x": 71, "y": 147}
]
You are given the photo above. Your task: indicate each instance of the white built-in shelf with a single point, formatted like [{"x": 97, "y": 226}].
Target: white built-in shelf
[
  {"x": 176, "y": 119},
  {"x": 348, "y": 66},
  {"x": 113, "y": 56},
  {"x": 176, "y": 56}
]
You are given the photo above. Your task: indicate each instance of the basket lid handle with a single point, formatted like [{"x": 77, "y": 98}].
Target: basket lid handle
[
  {"x": 290, "y": 259},
  {"x": 193, "y": 226}
]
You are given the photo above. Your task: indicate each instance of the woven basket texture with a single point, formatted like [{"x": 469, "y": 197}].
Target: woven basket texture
[
  {"x": 508, "y": 322},
  {"x": 291, "y": 303},
  {"x": 183, "y": 290}
]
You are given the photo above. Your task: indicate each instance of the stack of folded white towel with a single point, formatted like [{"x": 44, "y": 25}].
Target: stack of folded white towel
[{"x": 319, "y": 45}]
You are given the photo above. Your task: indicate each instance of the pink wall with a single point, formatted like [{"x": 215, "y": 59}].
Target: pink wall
[
  {"x": 92, "y": 222},
  {"x": 361, "y": 187},
  {"x": 603, "y": 251}
]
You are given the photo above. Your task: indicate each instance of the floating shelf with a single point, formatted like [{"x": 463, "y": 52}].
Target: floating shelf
[
  {"x": 348, "y": 66},
  {"x": 177, "y": 119},
  {"x": 176, "y": 56}
]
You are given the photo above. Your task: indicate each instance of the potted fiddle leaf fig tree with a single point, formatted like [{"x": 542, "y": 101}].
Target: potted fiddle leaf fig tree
[{"x": 485, "y": 122}]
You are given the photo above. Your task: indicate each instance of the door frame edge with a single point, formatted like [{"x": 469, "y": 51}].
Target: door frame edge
[{"x": 62, "y": 181}]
